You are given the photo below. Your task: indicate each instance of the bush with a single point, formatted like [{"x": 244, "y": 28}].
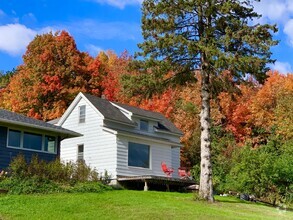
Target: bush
[
  {"x": 50, "y": 177},
  {"x": 30, "y": 186},
  {"x": 94, "y": 187},
  {"x": 266, "y": 172}
]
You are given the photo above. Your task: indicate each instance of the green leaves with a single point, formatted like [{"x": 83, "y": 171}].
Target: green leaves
[{"x": 181, "y": 32}]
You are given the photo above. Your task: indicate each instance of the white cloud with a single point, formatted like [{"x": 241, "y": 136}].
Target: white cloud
[
  {"x": 282, "y": 67},
  {"x": 93, "y": 49},
  {"x": 288, "y": 30},
  {"x": 119, "y": 3},
  {"x": 14, "y": 38},
  {"x": 273, "y": 10}
]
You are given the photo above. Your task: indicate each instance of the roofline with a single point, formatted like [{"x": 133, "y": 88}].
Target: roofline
[
  {"x": 168, "y": 132},
  {"x": 149, "y": 139},
  {"x": 141, "y": 136},
  {"x": 121, "y": 108},
  {"x": 134, "y": 114},
  {"x": 79, "y": 96},
  {"x": 120, "y": 122},
  {"x": 56, "y": 130}
]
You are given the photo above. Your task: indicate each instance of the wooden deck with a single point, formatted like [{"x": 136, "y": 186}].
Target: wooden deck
[{"x": 152, "y": 181}]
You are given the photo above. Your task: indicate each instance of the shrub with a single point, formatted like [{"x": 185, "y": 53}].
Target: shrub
[
  {"x": 266, "y": 172},
  {"x": 30, "y": 185},
  {"x": 47, "y": 177},
  {"x": 94, "y": 187}
]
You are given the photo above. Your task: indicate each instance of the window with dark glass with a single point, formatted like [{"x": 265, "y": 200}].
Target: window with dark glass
[
  {"x": 144, "y": 125},
  {"x": 80, "y": 150},
  {"x": 14, "y": 138},
  {"x": 82, "y": 114},
  {"x": 138, "y": 155},
  {"x": 50, "y": 144},
  {"x": 32, "y": 141}
]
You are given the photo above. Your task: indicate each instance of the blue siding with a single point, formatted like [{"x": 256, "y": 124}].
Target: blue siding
[{"x": 6, "y": 154}]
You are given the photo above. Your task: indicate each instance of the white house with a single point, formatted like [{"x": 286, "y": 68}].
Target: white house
[{"x": 124, "y": 140}]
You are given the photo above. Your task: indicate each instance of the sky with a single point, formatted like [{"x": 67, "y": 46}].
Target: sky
[{"x": 98, "y": 25}]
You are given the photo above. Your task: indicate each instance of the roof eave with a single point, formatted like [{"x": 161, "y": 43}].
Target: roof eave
[
  {"x": 168, "y": 132},
  {"x": 120, "y": 122},
  {"x": 172, "y": 143},
  {"x": 61, "y": 132}
]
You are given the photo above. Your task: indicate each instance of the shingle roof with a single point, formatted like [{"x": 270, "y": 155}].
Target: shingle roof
[
  {"x": 167, "y": 124},
  {"x": 18, "y": 119},
  {"x": 111, "y": 112},
  {"x": 107, "y": 109}
]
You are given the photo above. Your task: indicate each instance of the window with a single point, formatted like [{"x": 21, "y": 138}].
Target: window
[
  {"x": 138, "y": 155},
  {"x": 82, "y": 114},
  {"x": 80, "y": 150},
  {"x": 144, "y": 125},
  {"x": 14, "y": 138},
  {"x": 32, "y": 141},
  {"x": 50, "y": 144}
]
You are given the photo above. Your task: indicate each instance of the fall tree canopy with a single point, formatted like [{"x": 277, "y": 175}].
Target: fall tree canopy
[{"x": 209, "y": 35}]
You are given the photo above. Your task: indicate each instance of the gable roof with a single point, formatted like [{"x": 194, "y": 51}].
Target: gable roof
[
  {"x": 9, "y": 117},
  {"x": 164, "y": 123},
  {"x": 111, "y": 112}
]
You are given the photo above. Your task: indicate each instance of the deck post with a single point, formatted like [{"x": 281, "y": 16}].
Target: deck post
[
  {"x": 168, "y": 187},
  {"x": 146, "y": 188}
]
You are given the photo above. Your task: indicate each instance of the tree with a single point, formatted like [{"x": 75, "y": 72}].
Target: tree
[
  {"x": 53, "y": 72},
  {"x": 211, "y": 36},
  {"x": 5, "y": 78}
]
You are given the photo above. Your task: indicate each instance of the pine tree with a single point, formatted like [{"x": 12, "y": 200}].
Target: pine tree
[{"x": 210, "y": 36}]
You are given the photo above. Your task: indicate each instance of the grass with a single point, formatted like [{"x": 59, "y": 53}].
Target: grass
[{"x": 124, "y": 204}]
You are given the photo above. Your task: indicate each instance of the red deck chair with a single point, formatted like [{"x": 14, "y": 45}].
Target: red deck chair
[
  {"x": 183, "y": 173},
  {"x": 167, "y": 170}
]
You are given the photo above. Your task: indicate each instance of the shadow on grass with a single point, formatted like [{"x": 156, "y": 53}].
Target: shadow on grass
[{"x": 234, "y": 200}]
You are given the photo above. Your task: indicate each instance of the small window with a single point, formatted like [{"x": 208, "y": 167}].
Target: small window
[
  {"x": 138, "y": 155},
  {"x": 144, "y": 125},
  {"x": 80, "y": 150},
  {"x": 32, "y": 141},
  {"x": 82, "y": 114},
  {"x": 50, "y": 144},
  {"x": 14, "y": 138}
]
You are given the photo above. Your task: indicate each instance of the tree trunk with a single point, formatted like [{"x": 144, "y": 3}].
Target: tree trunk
[{"x": 206, "y": 185}]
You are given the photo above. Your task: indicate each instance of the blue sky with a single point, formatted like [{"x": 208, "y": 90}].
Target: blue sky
[{"x": 110, "y": 25}]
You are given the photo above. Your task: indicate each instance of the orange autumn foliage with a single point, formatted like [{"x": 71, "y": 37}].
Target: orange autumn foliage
[{"x": 53, "y": 72}]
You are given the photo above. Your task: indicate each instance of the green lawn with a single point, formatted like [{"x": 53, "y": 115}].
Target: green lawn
[{"x": 123, "y": 204}]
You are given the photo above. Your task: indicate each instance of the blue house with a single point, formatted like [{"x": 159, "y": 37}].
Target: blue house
[{"x": 27, "y": 136}]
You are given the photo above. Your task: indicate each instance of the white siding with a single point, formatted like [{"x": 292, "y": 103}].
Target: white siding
[
  {"x": 158, "y": 153},
  {"x": 175, "y": 160},
  {"x": 99, "y": 146},
  {"x": 104, "y": 151}
]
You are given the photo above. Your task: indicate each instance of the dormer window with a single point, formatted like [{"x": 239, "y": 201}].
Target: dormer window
[
  {"x": 144, "y": 125},
  {"x": 82, "y": 114}
]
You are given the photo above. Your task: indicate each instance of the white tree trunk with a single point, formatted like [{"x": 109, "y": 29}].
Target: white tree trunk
[{"x": 206, "y": 185}]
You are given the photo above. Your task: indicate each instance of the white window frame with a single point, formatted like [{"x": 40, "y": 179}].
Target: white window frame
[
  {"x": 80, "y": 154},
  {"x": 81, "y": 115},
  {"x": 32, "y": 132}
]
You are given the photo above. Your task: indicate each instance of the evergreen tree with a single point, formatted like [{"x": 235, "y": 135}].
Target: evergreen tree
[{"x": 210, "y": 36}]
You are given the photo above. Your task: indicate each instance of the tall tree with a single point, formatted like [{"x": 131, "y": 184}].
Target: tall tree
[
  {"x": 53, "y": 72},
  {"x": 209, "y": 35}
]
